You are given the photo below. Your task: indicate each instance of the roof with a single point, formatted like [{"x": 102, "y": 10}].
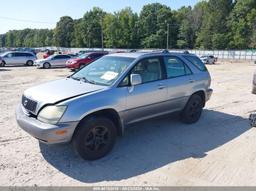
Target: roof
[{"x": 140, "y": 54}]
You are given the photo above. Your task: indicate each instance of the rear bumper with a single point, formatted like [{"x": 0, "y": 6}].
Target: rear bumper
[
  {"x": 46, "y": 133},
  {"x": 208, "y": 94}
]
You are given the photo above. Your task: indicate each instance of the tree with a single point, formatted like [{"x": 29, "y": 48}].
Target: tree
[
  {"x": 153, "y": 22},
  {"x": 91, "y": 27},
  {"x": 121, "y": 29},
  {"x": 214, "y": 31},
  {"x": 63, "y": 32},
  {"x": 186, "y": 33},
  {"x": 242, "y": 22},
  {"x": 77, "y": 35}
]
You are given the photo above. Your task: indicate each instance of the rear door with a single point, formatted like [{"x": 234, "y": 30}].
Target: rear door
[
  {"x": 60, "y": 60},
  {"x": 179, "y": 82},
  {"x": 23, "y": 58}
]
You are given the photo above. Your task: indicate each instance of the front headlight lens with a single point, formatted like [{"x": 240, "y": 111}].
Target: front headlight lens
[{"x": 51, "y": 114}]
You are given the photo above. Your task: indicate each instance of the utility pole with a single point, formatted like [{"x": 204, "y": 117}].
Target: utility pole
[
  {"x": 102, "y": 35},
  {"x": 167, "y": 38}
]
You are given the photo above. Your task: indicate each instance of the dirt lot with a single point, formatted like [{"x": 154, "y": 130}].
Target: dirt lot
[{"x": 218, "y": 150}]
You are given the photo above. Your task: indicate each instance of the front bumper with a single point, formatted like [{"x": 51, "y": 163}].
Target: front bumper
[
  {"x": 208, "y": 94},
  {"x": 46, "y": 133},
  {"x": 39, "y": 64},
  {"x": 72, "y": 66}
]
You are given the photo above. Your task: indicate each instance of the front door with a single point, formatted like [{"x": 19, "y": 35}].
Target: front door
[{"x": 147, "y": 99}]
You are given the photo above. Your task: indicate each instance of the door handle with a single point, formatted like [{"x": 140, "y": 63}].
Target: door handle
[
  {"x": 161, "y": 86},
  {"x": 191, "y": 81}
]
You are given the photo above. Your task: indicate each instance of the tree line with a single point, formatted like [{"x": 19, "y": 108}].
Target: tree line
[{"x": 212, "y": 24}]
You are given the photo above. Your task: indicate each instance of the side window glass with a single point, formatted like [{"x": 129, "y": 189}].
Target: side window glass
[
  {"x": 125, "y": 82},
  {"x": 10, "y": 55},
  {"x": 175, "y": 67},
  {"x": 149, "y": 69},
  {"x": 196, "y": 62},
  {"x": 18, "y": 54}
]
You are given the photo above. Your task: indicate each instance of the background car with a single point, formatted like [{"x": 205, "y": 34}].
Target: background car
[
  {"x": 53, "y": 61},
  {"x": 209, "y": 59},
  {"x": 17, "y": 58},
  {"x": 48, "y": 53},
  {"x": 84, "y": 59}
]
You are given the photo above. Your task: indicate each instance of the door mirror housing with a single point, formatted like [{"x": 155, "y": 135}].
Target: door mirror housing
[{"x": 136, "y": 79}]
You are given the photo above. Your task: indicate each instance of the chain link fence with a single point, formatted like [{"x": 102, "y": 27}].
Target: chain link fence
[{"x": 221, "y": 54}]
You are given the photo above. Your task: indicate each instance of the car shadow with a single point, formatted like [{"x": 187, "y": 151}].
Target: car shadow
[
  {"x": 4, "y": 70},
  {"x": 148, "y": 146}
]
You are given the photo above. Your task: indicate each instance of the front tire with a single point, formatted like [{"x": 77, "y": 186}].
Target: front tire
[
  {"x": 47, "y": 65},
  {"x": 2, "y": 64},
  {"x": 94, "y": 138},
  {"x": 193, "y": 110}
]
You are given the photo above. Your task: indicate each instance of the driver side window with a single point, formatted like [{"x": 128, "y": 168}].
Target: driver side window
[{"x": 149, "y": 69}]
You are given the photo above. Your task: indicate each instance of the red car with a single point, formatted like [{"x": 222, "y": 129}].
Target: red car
[
  {"x": 84, "y": 60},
  {"x": 48, "y": 53}
]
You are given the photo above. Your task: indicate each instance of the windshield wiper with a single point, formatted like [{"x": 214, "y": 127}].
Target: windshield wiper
[{"x": 84, "y": 79}]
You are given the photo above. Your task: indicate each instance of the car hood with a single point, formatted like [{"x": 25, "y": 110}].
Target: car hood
[{"x": 59, "y": 90}]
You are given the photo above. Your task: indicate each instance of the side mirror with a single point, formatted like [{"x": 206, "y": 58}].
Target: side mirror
[{"x": 135, "y": 79}]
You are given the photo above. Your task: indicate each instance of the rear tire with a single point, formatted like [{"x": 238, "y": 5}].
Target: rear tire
[
  {"x": 30, "y": 63},
  {"x": 94, "y": 138},
  {"x": 47, "y": 65},
  {"x": 193, "y": 110}
]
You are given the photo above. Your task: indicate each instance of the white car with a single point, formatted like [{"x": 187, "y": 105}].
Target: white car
[
  {"x": 18, "y": 58},
  {"x": 53, "y": 61},
  {"x": 208, "y": 59}
]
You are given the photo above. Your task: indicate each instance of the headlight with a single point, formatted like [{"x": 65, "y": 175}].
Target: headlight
[{"x": 51, "y": 114}]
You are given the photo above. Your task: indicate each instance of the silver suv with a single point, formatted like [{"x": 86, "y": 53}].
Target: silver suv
[
  {"x": 17, "y": 58},
  {"x": 94, "y": 105}
]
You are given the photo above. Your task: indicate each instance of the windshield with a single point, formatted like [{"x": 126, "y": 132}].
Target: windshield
[
  {"x": 83, "y": 56},
  {"x": 3, "y": 54},
  {"x": 103, "y": 71}
]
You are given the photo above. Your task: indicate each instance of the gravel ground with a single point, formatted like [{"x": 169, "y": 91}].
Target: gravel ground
[{"x": 218, "y": 150}]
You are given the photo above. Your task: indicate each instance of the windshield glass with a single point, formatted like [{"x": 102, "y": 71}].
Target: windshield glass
[
  {"x": 103, "y": 71},
  {"x": 3, "y": 54},
  {"x": 83, "y": 56}
]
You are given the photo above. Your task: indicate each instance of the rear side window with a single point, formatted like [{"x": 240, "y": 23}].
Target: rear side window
[
  {"x": 62, "y": 57},
  {"x": 18, "y": 54},
  {"x": 175, "y": 67},
  {"x": 196, "y": 62}
]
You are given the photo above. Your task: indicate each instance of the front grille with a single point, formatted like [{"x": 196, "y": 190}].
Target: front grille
[{"x": 29, "y": 104}]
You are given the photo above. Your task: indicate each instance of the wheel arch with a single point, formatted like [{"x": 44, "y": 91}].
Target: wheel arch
[
  {"x": 201, "y": 93},
  {"x": 29, "y": 61},
  {"x": 109, "y": 113}
]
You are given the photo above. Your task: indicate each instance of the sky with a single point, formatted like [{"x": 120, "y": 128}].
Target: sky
[{"x": 21, "y": 14}]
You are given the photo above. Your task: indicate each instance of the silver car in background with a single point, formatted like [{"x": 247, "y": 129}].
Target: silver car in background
[
  {"x": 209, "y": 59},
  {"x": 94, "y": 105},
  {"x": 17, "y": 58},
  {"x": 53, "y": 61}
]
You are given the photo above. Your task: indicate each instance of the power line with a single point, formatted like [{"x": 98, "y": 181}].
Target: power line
[{"x": 24, "y": 20}]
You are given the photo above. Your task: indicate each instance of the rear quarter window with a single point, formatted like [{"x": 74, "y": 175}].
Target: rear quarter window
[{"x": 196, "y": 62}]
